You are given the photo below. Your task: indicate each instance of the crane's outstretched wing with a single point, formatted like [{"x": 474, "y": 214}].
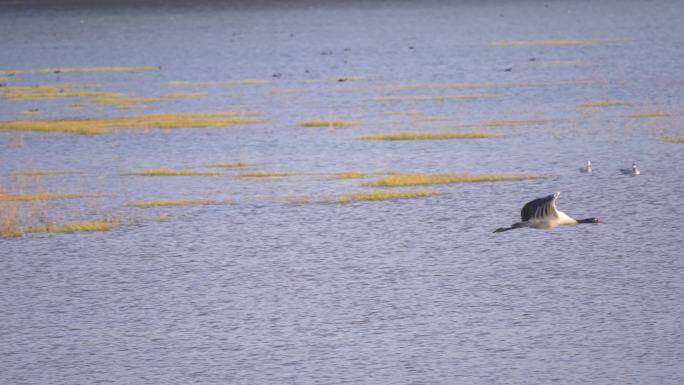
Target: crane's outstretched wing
[{"x": 540, "y": 208}]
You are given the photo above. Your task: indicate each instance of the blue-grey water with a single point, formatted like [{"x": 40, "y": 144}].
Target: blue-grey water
[{"x": 415, "y": 291}]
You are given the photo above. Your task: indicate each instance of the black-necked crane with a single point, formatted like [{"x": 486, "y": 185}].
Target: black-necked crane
[
  {"x": 542, "y": 213},
  {"x": 633, "y": 171},
  {"x": 587, "y": 168}
]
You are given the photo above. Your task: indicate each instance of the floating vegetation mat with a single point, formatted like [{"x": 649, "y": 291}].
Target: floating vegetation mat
[
  {"x": 521, "y": 43},
  {"x": 172, "y": 172},
  {"x": 229, "y": 165},
  {"x": 430, "y": 179},
  {"x": 431, "y": 98},
  {"x": 39, "y": 172},
  {"x": 326, "y": 123},
  {"x": 107, "y": 125},
  {"x": 506, "y": 122},
  {"x": 415, "y": 135},
  {"x": 351, "y": 175},
  {"x": 121, "y": 101},
  {"x": 184, "y": 95},
  {"x": 71, "y": 227},
  {"x": 52, "y": 92},
  {"x": 650, "y": 115},
  {"x": 77, "y": 70},
  {"x": 607, "y": 103},
  {"x": 174, "y": 202},
  {"x": 185, "y": 83},
  {"x": 265, "y": 174},
  {"x": 44, "y": 196},
  {"x": 365, "y": 196},
  {"x": 286, "y": 91},
  {"x": 675, "y": 139}
]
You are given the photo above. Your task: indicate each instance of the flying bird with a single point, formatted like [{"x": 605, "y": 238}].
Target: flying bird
[{"x": 542, "y": 213}]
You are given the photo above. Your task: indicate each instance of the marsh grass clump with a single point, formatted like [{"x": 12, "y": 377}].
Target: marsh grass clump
[
  {"x": 415, "y": 135},
  {"x": 384, "y": 195},
  {"x": 184, "y": 83},
  {"x": 184, "y": 95},
  {"x": 265, "y": 174},
  {"x": 122, "y": 101},
  {"x": 52, "y": 92},
  {"x": 521, "y": 43},
  {"x": 42, "y": 196},
  {"x": 172, "y": 172},
  {"x": 71, "y": 227},
  {"x": 174, "y": 202},
  {"x": 107, "y": 125},
  {"x": 40, "y": 172},
  {"x": 659, "y": 114},
  {"x": 399, "y": 180},
  {"x": 431, "y": 98},
  {"x": 351, "y": 175},
  {"x": 675, "y": 139},
  {"x": 327, "y": 123},
  {"x": 507, "y": 122},
  {"x": 78, "y": 70},
  {"x": 606, "y": 103},
  {"x": 229, "y": 165}
]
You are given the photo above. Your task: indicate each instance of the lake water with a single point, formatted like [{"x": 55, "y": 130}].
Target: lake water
[{"x": 412, "y": 291}]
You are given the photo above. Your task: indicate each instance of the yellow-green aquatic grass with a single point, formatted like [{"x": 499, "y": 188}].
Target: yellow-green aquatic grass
[
  {"x": 29, "y": 112},
  {"x": 606, "y": 103},
  {"x": 174, "y": 202},
  {"x": 416, "y": 135},
  {"x": 106, "y": 125},
  {"x": 184, "y": 95},
  {"x": 327, "y": 123},
  {"x": 51, "y": 92},
  {"x": 351, "y": 175},
  {"x": 123, "y": 101},
  {"x": 44, "y": 196},
  {"x": 39, "y": 172},
  {"x": 285, "y": 91},
  {"x": 431, "y": 98},
  {"x": 229, "y": 165},
  {"x": 265, "y": 174},
  {"x": 675, "y": 139},
  {"x": 520, "y": 43},
  {"x": 430, "y": 179},
  {"x": 172, "y": 172},
  {"x": 185, "y": 83},
  {"x": 71, "y": 227},
  {"x": 78, "y": 70},
  {"x": 384, "y": 195},
  {"x": 650, "y": 115}
]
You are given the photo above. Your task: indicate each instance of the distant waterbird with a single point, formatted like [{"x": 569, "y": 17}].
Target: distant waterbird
[
  {"x": 587, "y": 168},
  {"x": 541, "y": 213},
  {"x": 633, "y": 171}
]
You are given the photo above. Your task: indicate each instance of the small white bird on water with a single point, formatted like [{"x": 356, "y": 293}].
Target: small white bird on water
[
  {"x": 633, "y": 171},
  {"x": 587, "y": 168},
  {"x": 542, "y": 213}
]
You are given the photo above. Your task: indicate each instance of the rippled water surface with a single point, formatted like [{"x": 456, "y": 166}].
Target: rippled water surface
[{"x": 413, "y": 291}]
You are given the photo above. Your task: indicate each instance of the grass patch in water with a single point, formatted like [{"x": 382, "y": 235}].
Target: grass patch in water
[
  {"x": 384, "y": 195},
  {"x": 431, "y": 98},
  {"x": 507, "y": 122},
  {"x": 285, "y": 91},
  {"x": 184, "y": 95},
  {"x": 446, "y": 86},
  {"x": 606, "y": 103},
  {"x": 174, "y": 202},
  {"x": 265, "y": 174},
  {"x": 431, "y": 179},
  {"x": 650, "y": 115},
  {"x": 39, "y": 172},
  {"x": 43, "y": 196},
  {"x": 107, "y": 125},
  {"x": 327, "y": 123},
  {"x": 351, "y": 175},
  {"x": 123, "y": 101},
  {"x": 32, "y": 112},
  {"x": 415, "y": 135},
  {"x": 172, "y": 172},
  {"x": 674, "y": 139},
  {"x": 229, "y": 165},
  {"x": 78, "y": 70},
  {"x": 71, "y": 227},
  {"x": 522, "y": 43},
  {"x": 51, "y": 92}
]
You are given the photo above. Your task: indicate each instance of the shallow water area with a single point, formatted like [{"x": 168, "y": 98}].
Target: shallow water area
[{"x": 241, "y": 263}]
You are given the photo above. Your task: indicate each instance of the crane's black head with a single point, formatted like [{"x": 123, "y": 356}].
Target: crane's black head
[{"x": 590, "y": 220}]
